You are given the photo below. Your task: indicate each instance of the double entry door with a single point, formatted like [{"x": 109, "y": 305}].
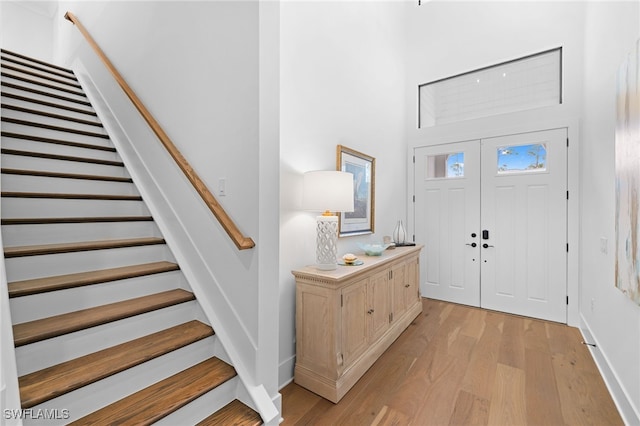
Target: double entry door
[{"x": 492, "y": 214}]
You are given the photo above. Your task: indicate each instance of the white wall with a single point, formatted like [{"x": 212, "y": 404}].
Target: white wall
[
  {"x": 611, "y": 32},
  {"x": 26, "y": 27},
  {"x": 195, "y": 66},
  {"x": 450, "y": 38},
  {"x": 342, "y": 82}
]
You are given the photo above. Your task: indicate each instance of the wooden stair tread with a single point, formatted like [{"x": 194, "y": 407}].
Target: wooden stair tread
[
  {"x": 163, "y": 398},
  {"x": 57, "y": 141},
  {"x": 55, "y": 128},
  {"x": 46, "y": 76},
  {"x": 46, "y": 328},
  {"x": 42, "y": 249},
  {"x": 17, "y": 194},
  {"x": 41, "y": 173},
  {"x": 235, "y": 413},
  {"x": 51, "y": 382},
  {"x": 44, "y": 93},
  {"x": 51, "y": 115},
  {"x": 48, "y": 104},
  {"x": 60, "y": 220},
  {"x": 37, "y": 61},
  {"x": 48, "y": 156},
  {"x": 42, "y": 83},
  {"x": 71, "y": 78},
  {"x": 61, "y": 282}
]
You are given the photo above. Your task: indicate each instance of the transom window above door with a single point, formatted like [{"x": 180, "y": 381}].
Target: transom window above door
[{"x": 529, "y": 82}]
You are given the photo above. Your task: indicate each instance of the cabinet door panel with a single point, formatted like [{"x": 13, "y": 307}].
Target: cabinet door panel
[
  {"x": 313, "y": 316},
  {"x": 354, "y": 321},
  {"x": 378, "y": 312},
  {"x": 398, "y": 291},
  {"x": 412, "y": 284}
]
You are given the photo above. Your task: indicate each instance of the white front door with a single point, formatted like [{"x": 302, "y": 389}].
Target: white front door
[
  {"x": 524, "y": 213},
  {"x": 448, "y": 220},
  {"x": 492, "y": 214}
]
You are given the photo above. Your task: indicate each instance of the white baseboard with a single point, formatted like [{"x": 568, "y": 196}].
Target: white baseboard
[
  {"x": 628, "y": 412},
  {"x": 285, "y": 371}
]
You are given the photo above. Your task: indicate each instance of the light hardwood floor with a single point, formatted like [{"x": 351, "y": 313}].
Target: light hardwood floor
[{"x": 457, "y": 365}]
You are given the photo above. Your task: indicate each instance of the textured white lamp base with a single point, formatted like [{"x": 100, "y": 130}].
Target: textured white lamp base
[{"x": 327, "y": 242}]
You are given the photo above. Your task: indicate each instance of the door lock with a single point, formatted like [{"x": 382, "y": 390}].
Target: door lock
[{"x": 485, "y": 245}]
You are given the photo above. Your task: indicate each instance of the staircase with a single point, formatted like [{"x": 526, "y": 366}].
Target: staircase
[{"x": 106, "y": 329}]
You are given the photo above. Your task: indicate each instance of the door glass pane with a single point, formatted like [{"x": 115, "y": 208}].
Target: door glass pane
[
  {"x": 445, "y": 166},
  {"x": 522, "y": 158}
]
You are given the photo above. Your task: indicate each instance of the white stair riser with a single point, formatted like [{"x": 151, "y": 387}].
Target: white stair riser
[
  {"x": 92, "y": 397},
  {"x": 33, "y": 67},
  {"x": 26, "y": 183},
  {"x": 54, "y": 134},
  {"x": 45, "y": 98},
  {"x": 22, "y": 268},
  {"x": 51, "y": 148},
  {"x": 46, "y": 353},
  {"x": 26, "y": 235},
  {"x": 37, "y": 306},
  {"x": 58, "y": 84},
  {"x": 49, "y": 207},
  {"x": 24, "y": 162},
  {"x": 25, "y": 64},
  {"x": 52, "y": 121},
  {"x": 204, "y": 406},
  {"x": 50, "y": 109},
  {"x": 56, "y": 92}
]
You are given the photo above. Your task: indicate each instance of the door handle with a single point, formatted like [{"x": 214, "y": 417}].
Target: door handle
[
  {"x": 485, "y": 245},
  {"x": 472, "y": 244}
]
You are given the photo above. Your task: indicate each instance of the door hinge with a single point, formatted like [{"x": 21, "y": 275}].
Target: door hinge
[
  {"x": 567, "y": 195},
  {"x": 414, "y": 159},
  {"x": 414, "y": 238},
  {"x": 414, "y": 198},
  {"x": 567, "y": 142},
  {"x": 567, "y": 300},
  {"x": 391, "y": 317},
  {"x": 567, "y": 247},
  {"x": 341, "y": 301}
]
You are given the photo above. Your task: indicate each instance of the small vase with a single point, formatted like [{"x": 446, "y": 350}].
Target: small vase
[{"x": 399, "y": 234}]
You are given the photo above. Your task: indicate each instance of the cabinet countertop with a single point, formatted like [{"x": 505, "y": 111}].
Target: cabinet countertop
[{"x": 343, "y": 271}]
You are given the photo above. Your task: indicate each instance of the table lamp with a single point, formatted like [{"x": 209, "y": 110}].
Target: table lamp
[{"x": 327, "y": 191}]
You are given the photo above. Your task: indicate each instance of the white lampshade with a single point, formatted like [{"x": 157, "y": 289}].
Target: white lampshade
[{"x": 328, "y": 191}]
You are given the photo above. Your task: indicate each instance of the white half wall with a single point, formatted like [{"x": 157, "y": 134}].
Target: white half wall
[{"x": 341, "y": 82}]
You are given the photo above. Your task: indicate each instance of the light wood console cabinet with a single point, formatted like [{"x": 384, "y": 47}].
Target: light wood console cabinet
[{"x": 346, "y": 318}]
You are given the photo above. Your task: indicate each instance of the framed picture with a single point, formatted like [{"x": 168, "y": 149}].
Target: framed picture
[{"x": 363, "y": 167}]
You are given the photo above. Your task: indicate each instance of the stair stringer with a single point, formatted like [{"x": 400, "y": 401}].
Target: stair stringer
[
  {"x": 9, "y": 389},
  {"x": 199, "y": 249}
]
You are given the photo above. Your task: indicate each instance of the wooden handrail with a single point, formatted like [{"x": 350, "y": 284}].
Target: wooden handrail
[{"x": 241, "y": 241}]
